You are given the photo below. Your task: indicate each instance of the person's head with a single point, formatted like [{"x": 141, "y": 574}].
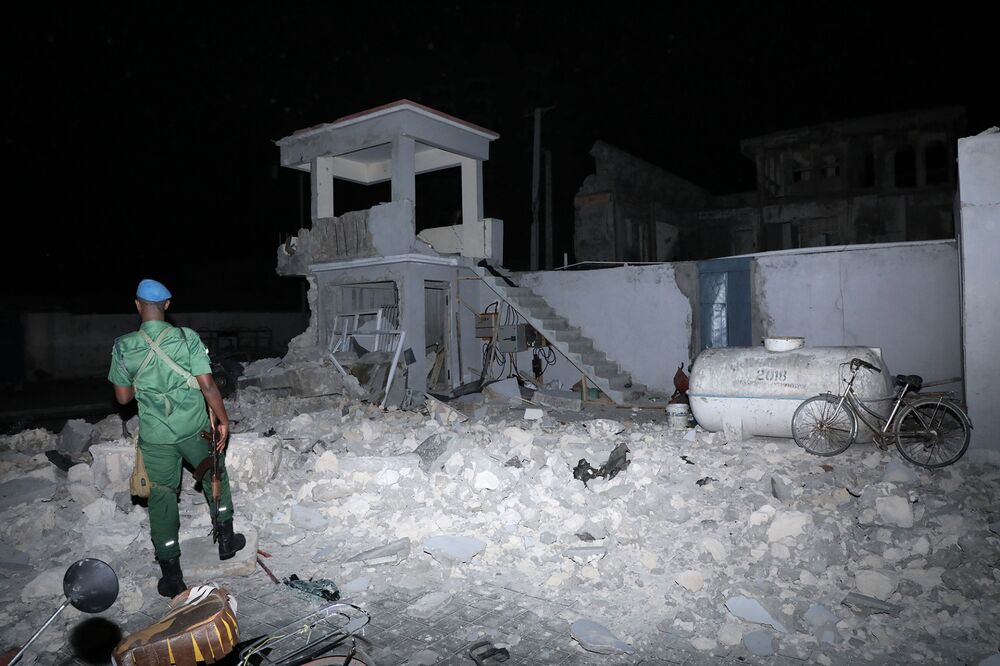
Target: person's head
[{"x": 152, "y": 299}]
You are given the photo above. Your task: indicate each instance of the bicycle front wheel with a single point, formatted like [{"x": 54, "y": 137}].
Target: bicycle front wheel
[
  {"x": 822, "y": 429},
  {"x": 932, "y": 433}
]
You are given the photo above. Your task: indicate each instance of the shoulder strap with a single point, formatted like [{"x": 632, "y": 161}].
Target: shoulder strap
[
  {"x": 154, "y": 348},
  {"x": 150, "y": 353}
]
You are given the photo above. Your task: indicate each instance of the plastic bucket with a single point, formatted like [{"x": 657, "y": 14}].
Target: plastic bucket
[
  {"x": 784, "y": 344},
  {"x": 678, "y": 416}
]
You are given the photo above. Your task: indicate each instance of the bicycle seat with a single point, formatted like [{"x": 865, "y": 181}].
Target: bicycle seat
[
  {"x": 913, "y": 381},
  {"x": 199, "y": 628}
]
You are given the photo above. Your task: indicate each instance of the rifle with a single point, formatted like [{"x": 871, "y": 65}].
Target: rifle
[{"x": 212, "y": 461}]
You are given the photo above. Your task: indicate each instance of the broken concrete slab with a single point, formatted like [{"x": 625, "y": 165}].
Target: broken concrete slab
[
  {"x": 47, "y": 584},
  {"x": 252, "y": 461},
  {"x": 894, "y": 510},
  {"x": 759, "y": 643},
  {"x": 442, "y": 413},
  {"x": 822, "y": 623},
  {"x": 13, "y": 560},
  {"x": 118, "y": 535},
  {"x": 690, "y": 580},
  {"x": 595, "y": 637},
  {"x": 109, "y": 429},
  {"x": 585, "y": 554},
  {"x": 533, "y": 414},
  {"x": 317, "y": 379},
  {"x": 875, "y": 584},
  {"x": 788, "y": 524},
  {"x": 450, "y": 549},
  {"x": 429, "y": 604},
  {"x": 112, "y": 465},
  {"x": 391, "y": 553},
  {"x": 430, "y": 450},
  {"x": 506, "y": 391},
  {"x": 750, "y": 610},
  {"x": 356, "y": 585},
  {"x": 283, "y": 534},
  {"x": 865, "y": 605},
  {"x": 81, "y": 473},
  {"x": 200, "y": 557},
  {"x": 566, "y": 401},
  {"x": 603, "y": 428},
  {"x": 76, "y": 437},
  {"x": 781, "y": 489},
  {"x": 22, "y": 490},
  {"x": 308, "y": 518},
  {"x": 897, "y": 472}
]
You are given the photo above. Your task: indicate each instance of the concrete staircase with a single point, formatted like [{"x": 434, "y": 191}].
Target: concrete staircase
[{"x": 600, "y": 371}]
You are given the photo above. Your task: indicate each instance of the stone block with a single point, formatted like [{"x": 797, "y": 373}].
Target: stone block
[
  {"x": 21, "y": 490},
  {"x": 200, "y": 559},
  {"x": 76, "y": 437},
  {"x": 391, "y": 553},
  {"x": 449, "y": 549},
  {"x": 252, "y": 461},
  {"x": 112, "y": 465}
]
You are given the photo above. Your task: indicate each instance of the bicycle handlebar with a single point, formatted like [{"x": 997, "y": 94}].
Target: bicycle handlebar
[{"x": 857, "y": 362}]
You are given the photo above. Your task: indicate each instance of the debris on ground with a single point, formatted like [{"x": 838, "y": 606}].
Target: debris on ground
[{"x": 858, "y": 558}]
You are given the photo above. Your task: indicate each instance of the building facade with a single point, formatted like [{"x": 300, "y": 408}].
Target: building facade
[{"x": 877, "y": 179}]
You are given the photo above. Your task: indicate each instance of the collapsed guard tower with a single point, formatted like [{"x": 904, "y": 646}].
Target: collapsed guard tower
[{"x": 369, "y": 270}]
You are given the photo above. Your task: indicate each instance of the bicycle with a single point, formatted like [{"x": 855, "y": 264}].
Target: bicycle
[{"x": 929, "y": 431}]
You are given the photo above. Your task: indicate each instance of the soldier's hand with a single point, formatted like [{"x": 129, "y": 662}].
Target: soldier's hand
[{"x": 222, "y": 436}]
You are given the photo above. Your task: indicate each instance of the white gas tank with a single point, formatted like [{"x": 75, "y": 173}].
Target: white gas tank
[{"x": 748, "y": 391}]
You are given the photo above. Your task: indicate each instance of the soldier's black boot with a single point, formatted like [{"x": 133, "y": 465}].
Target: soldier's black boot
[
  {"x": 230, "y": 543},
  {"x": 172, "y": 582}
]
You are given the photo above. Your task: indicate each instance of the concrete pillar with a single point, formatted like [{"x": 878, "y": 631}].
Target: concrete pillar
[
  {"x": 403, "y": 169},
  {"x": 321, "y": 186},
  {"x": 472, "y": 190},
  {"x": 411, "y": 319},
  {"x": 979, "y": 191}
]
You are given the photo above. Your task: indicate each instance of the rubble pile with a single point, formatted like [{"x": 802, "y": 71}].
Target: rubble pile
[{"x": 745, "y": 549}]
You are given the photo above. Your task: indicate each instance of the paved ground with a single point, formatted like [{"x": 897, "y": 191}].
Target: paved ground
[{"x": 531, "y": 625}]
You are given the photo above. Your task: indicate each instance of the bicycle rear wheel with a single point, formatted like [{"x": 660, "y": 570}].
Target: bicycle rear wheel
[
  {"x": 821, "y": 429},
  {"x": 932, "y": 433}
]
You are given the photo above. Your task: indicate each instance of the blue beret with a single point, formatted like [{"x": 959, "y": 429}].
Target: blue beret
[{"x": 153, "y": 291}]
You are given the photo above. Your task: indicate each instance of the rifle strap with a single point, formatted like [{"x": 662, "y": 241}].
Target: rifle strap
[
  {"x": 203, "y": 467},
  {"x": 154, "y": 348}
]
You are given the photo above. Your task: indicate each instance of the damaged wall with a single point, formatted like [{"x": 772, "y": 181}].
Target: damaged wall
[
  {"x": 385, "y": 230},
  {"x": 979, "y": 169},
  {"x": 903, "y": 298},
  {"x": 410, "y": 276},
  {"x": 637, "y": 315},
  {"x": 60, "y": 345}
]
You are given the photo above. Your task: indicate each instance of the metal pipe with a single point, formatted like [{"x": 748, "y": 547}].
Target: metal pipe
[
  {"x": 392, "y": 370},
  {"x": 17, "y": 657}
]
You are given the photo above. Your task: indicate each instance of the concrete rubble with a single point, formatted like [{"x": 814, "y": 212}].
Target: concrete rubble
[{"x": 857, "y": 558}]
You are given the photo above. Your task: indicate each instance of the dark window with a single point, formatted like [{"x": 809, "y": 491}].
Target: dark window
[
  {"x": 831, "y": 166},
  {"x": 936, "y": 163},
  {"x": 905, "y": 167},
  {"x": 867, "y": 176}
]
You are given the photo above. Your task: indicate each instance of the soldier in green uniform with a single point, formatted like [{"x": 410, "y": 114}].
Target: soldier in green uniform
[{"x": 167, "y": 370}]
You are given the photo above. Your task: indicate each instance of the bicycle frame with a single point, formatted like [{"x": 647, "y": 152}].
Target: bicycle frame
[{"x": 860, "y": 408}]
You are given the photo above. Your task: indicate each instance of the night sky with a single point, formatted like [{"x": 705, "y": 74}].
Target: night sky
[{"x": 139, "y": 138}]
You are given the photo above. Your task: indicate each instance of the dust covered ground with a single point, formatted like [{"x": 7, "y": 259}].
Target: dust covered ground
[{"x": 732, "y": 550}]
